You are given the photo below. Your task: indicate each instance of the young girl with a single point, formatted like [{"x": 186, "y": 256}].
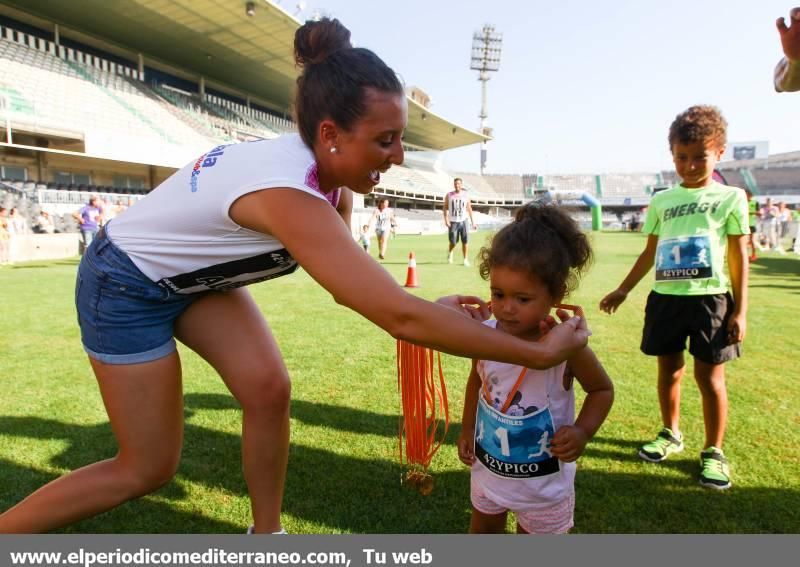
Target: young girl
[
  {"x": 363, "y": 238},
  {"x": 520, "y": 435}
]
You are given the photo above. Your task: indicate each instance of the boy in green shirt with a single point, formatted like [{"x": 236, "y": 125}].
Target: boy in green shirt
[{"x": 693, "y": 228}]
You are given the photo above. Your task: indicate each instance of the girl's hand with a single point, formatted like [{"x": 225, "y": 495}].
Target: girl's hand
[
  {"x": 611, "y": 302},
  {"x": 568, "y": 443},
  {"x": 470, "y": 305},
  {"x": 466, "y": 447}
]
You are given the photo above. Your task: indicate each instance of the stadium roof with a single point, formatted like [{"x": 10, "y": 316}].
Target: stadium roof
[{"x": 216, "y": 39}]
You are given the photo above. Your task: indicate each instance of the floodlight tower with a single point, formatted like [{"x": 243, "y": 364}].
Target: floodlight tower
[{"x": 487, "y": 45}]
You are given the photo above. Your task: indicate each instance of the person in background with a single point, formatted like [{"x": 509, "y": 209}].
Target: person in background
[
  {"x": 784, "y": 222},
  {"x": 769, "y": 224},
  {"x": 752, "y": 219},
  {"x": 44, "y": 223},
  {"x": 457, "y": 209},
  {"x": 89, "y": 218},
  {"x": 5, "y": 238},
  {"x": 384, "y": 220},
  {"x": 796, "y": 218},
  {"x": 17, "y": 228},
  {"x": 363, "y": 238}
]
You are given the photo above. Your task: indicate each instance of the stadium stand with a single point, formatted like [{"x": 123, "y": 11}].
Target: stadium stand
[
  {"x": 506, "y": 185},
  {"x": 784, "y": 181},
  {"x": 92, "y": 104}
]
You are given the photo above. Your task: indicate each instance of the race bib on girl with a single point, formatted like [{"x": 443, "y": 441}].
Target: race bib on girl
[{"x": 515, "y": 446}]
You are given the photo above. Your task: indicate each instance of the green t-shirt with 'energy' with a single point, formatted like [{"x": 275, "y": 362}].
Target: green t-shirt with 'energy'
[{"x": 693, "y": 226}]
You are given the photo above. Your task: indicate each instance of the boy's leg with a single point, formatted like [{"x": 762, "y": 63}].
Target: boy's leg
[
  {"x": 714, "y": 470},
  {"x": 710, "y": 349},
  {"x": 711, "y": 381},
  {"x": 671, "y": 368},
  {"x": 667, "y": 323}
]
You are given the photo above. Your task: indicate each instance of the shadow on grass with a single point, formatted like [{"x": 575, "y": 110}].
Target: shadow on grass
[
  {"x": 341, "y": 493},
  {"x": 318, "y": 414},
  {"x": 641, "y": 502},
  {"x": 375, "y": 500},
  {"x": 795, "y": 288},
  {"x": 771, "y": 266}
]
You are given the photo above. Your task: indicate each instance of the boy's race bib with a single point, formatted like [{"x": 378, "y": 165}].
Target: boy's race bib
[
  {"x": 686, "y": 258},
  {"x": 515, "y": 447}
]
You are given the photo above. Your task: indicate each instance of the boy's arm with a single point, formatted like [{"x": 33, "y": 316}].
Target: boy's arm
[
  {"x": 466, "y": 441},
  {"x": 738, "y": 266},
  {"x": 445, "y": 208},
  {"x": 570, "y": 440},
  {"x": 643, "y": 263}
]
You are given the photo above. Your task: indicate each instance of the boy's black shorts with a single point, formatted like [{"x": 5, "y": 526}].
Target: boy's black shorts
[{"x": 670, "y": 319}]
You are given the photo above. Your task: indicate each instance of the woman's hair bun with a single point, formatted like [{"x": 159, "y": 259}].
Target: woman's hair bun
[{"x": 314, "y": 41}]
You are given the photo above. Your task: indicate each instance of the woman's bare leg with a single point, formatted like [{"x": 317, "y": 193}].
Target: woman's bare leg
[
  {"x": 228, "y": 330},
  {"x": 145, "y": 407}
]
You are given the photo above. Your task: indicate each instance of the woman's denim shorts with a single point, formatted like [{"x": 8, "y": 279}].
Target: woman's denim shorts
[{"x": 125, "y": 318}]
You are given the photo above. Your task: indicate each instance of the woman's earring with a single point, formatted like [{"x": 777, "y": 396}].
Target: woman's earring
[{"x": 333, "y": 150}]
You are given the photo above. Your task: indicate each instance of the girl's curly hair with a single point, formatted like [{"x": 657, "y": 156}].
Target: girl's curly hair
[{"x": 542, "y": 241}]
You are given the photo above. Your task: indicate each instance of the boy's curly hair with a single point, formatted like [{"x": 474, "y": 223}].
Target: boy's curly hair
[
  {"x": 542, "y": 241},
  {"x": 699, "y": 123}
]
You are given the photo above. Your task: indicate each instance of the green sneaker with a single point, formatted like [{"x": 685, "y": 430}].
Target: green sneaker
[
  {"x": 716, "y": 473},
  {"x": 665, "y": 443}
]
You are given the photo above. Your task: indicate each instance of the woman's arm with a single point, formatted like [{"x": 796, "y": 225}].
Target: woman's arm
[
  {"x": 345, "y": 207},
  {"x": 570, "y": 441},
  {"x": 322, "y": 245},
  {"x": 466, "y": 441}
]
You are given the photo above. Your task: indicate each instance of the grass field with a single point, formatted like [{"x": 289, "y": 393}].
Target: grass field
[{"x": 343, "y": 468}]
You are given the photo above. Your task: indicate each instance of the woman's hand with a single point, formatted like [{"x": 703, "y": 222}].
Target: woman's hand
[
  {"x": 470, "y": 305},
  {"x": 565, "y": 340}
]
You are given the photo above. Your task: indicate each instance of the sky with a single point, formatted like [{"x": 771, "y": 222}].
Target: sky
[{"x": 584, "y": 86}]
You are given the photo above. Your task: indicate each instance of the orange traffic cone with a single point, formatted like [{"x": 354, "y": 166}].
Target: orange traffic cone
[{"x": 411, "y": 274}]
